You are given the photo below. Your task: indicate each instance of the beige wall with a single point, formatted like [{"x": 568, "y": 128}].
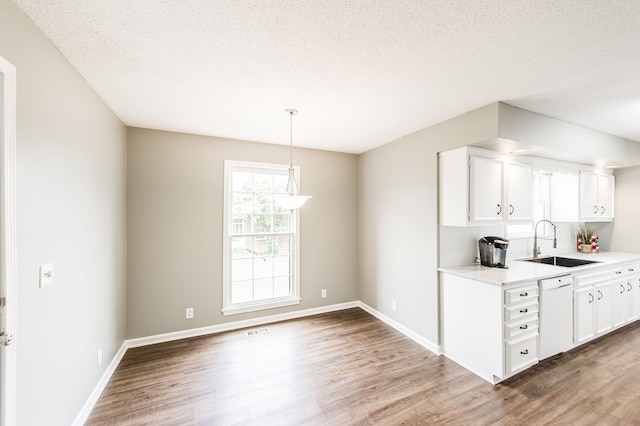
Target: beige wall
[
  {"x": 626, "y": 226},
  {"x": 398, "y": 202},
  {"x": 71, "y": 177},
  {"x": 175, "y": 211}
]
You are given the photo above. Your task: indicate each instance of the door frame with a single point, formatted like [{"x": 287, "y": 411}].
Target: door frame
[{"x": 8, "y": 264}]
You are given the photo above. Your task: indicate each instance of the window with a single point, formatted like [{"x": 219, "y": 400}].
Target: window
[
  {"x": 261, "y": 240},
  {"x": 541, "y": 202}
]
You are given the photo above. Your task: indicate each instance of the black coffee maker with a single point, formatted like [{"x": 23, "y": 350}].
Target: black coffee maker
[{"x": 493, "y": 251}]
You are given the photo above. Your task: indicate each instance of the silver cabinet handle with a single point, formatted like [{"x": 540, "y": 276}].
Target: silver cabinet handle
[
  {"x": 600, "y": 295},
  {"x": 602, "y": 210},
  {"x": 524, "y": 294},
  {"x": 590, "y": 298},
  {"x": 524, "y": 327},
  {"x": 524, "y": 311},
  {"x": 499, "y": 207},
  {"x": 511, "y": 209},
  {"x": 525, "y": 352},
  {"x": 595, "y": 209}
]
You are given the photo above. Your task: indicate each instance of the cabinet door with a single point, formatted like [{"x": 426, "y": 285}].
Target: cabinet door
[
  {"x": 519, "y": 192},
  {"x": 606, "y": 184},
  {"x": 589, "y": 206},
  {"x": 619, "y": 302},
  {"x": 583, "y": 310},
  {"x": 602, "y": 295},
  {"x": 485, "y": 195}
]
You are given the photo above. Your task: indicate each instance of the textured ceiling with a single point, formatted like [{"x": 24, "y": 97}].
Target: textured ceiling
[{"x": 361, "y": 73}]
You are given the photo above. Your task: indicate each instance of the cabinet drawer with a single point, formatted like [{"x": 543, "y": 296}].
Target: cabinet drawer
[
  {"x": 626, "y": 271},
  {"x": 518, "y": 328},
  {"x": 520, "y": 294},
  {"x": 521, "y": 353},
  {"x": 520, "y": 310},
  {"x": 584, "y": 280}
]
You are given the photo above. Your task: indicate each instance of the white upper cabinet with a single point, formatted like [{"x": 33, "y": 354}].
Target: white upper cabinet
[
  {"x": 519, "y": 191},
  {"x": 478, "y": 187},
  {"x": 485, "y": 194},
  {"x": 596, "y": 196}
]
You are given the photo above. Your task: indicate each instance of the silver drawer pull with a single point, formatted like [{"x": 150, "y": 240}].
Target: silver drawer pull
[
  {"x": 524, "y": 294},
  {"x": 525, "y": 352},
  {"x": 618, "y": 272},
  {"x": 524, "y": 327},
  {"x": 524, "y": 311}
]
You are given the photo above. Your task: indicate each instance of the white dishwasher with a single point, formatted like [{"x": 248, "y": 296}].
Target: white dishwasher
[{"x": 556, "y": 315}]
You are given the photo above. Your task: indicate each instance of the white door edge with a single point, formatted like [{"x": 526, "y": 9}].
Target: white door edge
[{"x": 8, "y": 265}]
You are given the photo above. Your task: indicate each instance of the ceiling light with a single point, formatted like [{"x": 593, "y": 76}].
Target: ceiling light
[{"x": 292, "y": 201}]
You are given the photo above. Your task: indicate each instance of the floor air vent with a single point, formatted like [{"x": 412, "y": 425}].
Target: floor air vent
[{"x": 258, "y": 331}]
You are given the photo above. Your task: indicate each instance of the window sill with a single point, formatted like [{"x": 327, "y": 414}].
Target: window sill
[{"x": 259, "y": 307}]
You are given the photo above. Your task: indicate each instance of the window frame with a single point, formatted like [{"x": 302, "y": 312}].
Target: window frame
[{"x": 229, "y": 308}]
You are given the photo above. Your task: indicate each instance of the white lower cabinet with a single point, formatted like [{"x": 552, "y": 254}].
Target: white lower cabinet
[
  {"x": 624, "y": 294},
  {"x": 605, "y": 300},
  {"x": 591, "y": 305},
  {"x": 489, "y": 329}
]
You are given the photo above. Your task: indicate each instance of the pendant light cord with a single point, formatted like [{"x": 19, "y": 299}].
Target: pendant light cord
[{"x": 291, "y": 114}]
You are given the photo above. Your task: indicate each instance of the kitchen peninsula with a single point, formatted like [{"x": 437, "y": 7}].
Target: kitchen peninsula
[{"x": 491, "y": 317}]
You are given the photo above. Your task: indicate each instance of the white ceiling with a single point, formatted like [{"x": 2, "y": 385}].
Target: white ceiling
[{"x": 361, "y": 73}]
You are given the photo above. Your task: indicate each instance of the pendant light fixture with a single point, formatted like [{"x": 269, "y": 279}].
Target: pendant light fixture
[{"x": 292, "y": 201}]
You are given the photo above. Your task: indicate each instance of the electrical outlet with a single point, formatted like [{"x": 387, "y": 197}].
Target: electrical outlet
[
  {"x": 189, "y": 313},
  {"x": 394, "y": 306},
  {"x": 99, "y": 357},
  {"x": 323, "y": 294}
]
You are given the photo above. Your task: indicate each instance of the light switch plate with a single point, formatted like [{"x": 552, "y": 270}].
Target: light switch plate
[{"x": 46, "y": 274}]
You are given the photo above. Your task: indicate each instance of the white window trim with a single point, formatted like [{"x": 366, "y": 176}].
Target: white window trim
[{"x": 227, "y": 307}]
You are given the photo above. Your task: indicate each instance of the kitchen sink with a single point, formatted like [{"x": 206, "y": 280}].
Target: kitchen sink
[{"x": 561, "y": 261}]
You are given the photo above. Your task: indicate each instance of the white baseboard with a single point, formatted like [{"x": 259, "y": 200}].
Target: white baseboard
[
  {"x": 402, "y": 329},
  {"x": 202, "y": 331},
  {"x": 83, "y": 415},
  {"x": 235, "y": 325}
]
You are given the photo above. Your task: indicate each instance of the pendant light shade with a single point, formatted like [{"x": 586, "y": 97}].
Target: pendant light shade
[{"x": 292, "y": 201}]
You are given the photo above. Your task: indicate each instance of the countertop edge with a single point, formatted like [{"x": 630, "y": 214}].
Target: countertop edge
[{"x": 520, "y": 271}]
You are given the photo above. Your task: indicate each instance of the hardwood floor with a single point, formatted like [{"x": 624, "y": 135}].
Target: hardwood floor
[{"x": 348, "y": 368}]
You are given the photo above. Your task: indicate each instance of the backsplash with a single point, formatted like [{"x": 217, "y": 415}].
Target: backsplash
[{"x": 459, "y": 245}]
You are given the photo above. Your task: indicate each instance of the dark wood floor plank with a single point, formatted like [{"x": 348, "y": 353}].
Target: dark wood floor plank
[{"x": 348, "y": 368}]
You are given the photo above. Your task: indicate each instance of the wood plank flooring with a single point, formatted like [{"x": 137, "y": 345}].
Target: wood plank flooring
[{"x": 348, "y": 368}]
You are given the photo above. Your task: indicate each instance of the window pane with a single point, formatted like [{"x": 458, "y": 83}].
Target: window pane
[
  {"x": 242, "y": 202},
  {"x": 262, "y": 183},
  {"x": 280, "y": 184},
  {"x": 242, "y": 181},
  {"x": 261, "y": 223},
  {"x": 241, "y": 269},
  {"x": 263, "y": 289},
  {"x": 281, "y": 265},
  {"x": 263, "y": 267},
  {"x": 262, "y": 203},
  {"x": 242, "y": 247},
  {"x": 283, "y": 243},
  {"x": 281, "y": 222},
  {"x": 282, "y": 287},
  {"x": 242, "y": 292}
]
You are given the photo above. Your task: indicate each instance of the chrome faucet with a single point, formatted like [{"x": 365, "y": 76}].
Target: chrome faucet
[{"x": 536, "y": 249}]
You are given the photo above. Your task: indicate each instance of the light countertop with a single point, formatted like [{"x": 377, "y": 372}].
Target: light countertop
[{"x": 520, "y": 271}]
